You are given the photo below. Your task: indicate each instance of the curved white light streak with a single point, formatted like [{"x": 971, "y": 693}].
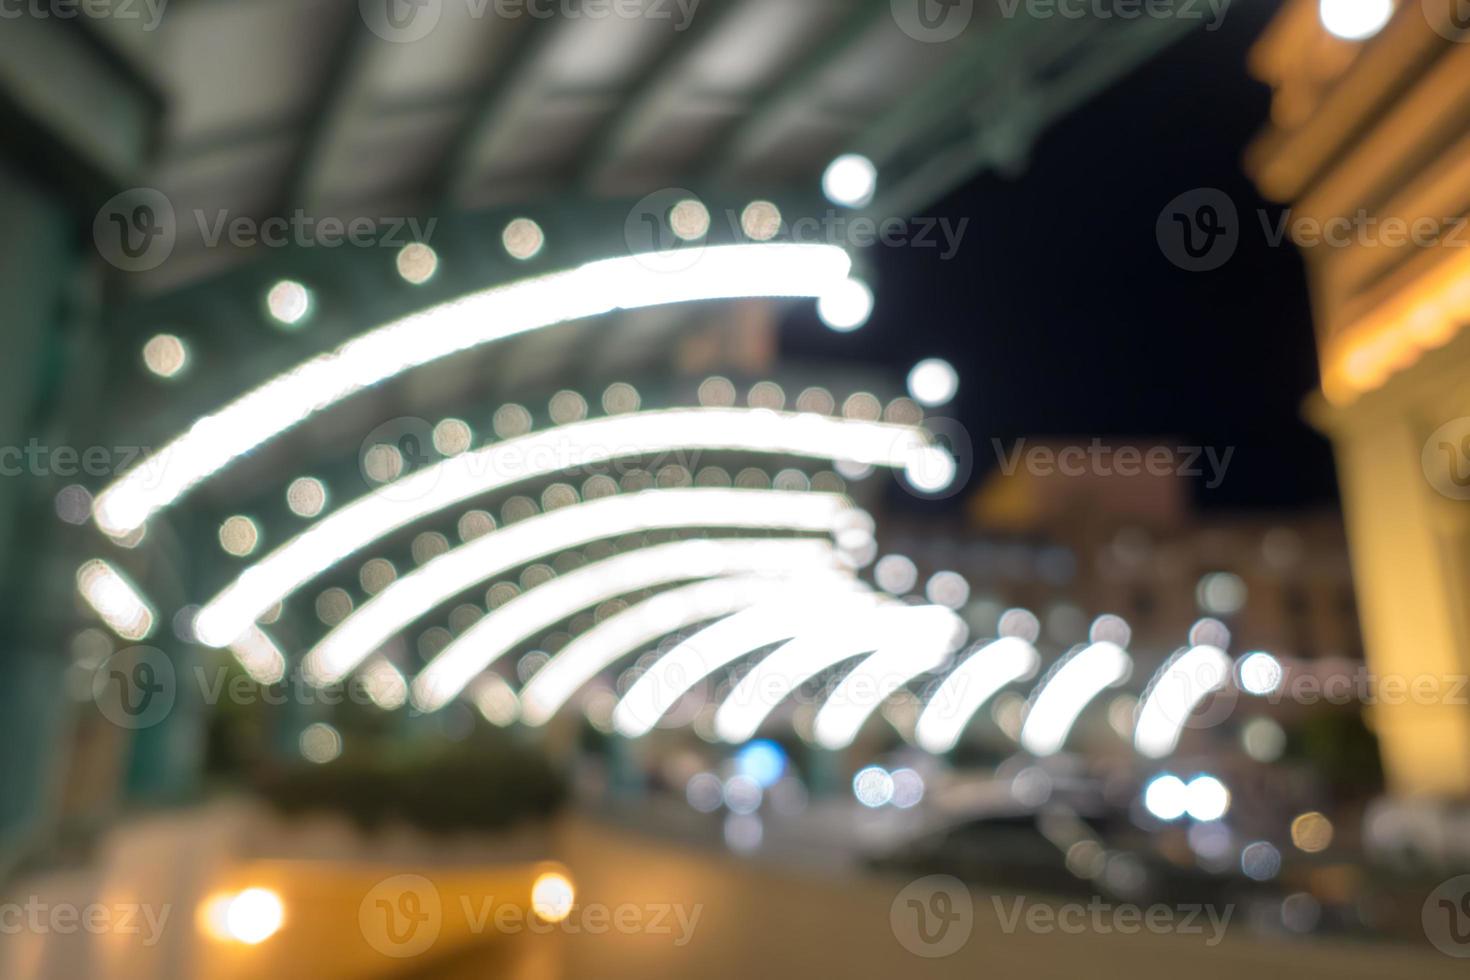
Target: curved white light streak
[
  {"x": 1066, "y": 690},
  {"x": 634, "y": 628},
  {"x": 537, "y": 610},
  {"x": 116, "y": 600},
  {"x": 1175, "y": 691},
  {"x": 385, "y": 684},
  {"x": 887, "y": 623},
  {"x": 631, "y": 282},
  {"x": 498, "y": 702},
  {"x": 969, "y": 686},
  {"x": 460, "y": 478},
  {"x": 677, "y": 672},
  {"x": 258, "y": 654},
  {"x": 931, "y": 633},
  {"x": 417, "y": 593}
]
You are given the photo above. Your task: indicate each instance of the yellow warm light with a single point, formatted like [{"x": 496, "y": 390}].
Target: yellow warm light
[
  {"x": 250, "y": 917},
  {"x": 552, "y": 895},
  {"x": 212, "y": 916},
  {"x": 1368, "y": 353},
  {"x": 1312, "y": 832}
]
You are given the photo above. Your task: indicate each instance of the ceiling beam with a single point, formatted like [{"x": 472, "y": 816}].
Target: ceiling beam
[
  {"x": 620, "y": 130},
  {"x": 1007, "y": 125},
  {"x": 791, "y": 89},
  {"x": 459, "y": 169},
  {"x": 343, "y": 88}
]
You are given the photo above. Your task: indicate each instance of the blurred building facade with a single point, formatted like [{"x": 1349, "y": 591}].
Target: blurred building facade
[
  {"x": 1369, "y": 144},
  {"x": 1071, "y": 547}
]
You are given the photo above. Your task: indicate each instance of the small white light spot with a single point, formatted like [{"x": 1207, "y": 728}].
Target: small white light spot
[
  {"x": 523, "y": 239},
  {"x": 851, "y": 180},
  {"x": 417, "y": 263},
  {"x": 552, "y": 896},
  {"x": 253, "y": 916},
  {"x": 620, "y": 399},
  {"x": 306, "y": 496},
  {"x": 1207, "y": 799},
  {"x": 165, "y": 355},
  {"x": 689, "y": 220},
  {"x": 873, "y": 787},
  {"x": 320, "y": 743},
  {"x": 288, "y": 302},
  {"x": 895, "y": 574},
  {"x": 452, "y": 437},
  {"x": 846, "y": 306},
  {"x": 1260, "y": 674},
  {"x": 761, "y": 221},
  {"x": 1355, "y": 20},
  {"x": 239, "y": 535},
  {"x": 948, "y": 589},
  {"x": 1166, "y": 797},
  {"x": 933, "y": 382}
]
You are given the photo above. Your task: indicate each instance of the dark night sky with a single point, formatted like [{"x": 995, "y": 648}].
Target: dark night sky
[{"x": 1064, "y": 317}]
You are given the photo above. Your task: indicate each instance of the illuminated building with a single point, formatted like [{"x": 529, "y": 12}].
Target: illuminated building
[{"x": 1369, "y": 148}]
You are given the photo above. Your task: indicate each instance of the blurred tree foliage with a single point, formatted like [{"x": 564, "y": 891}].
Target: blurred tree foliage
[
  {"x": 1341, "y": 748},
  {"x": 488, "y": 781}
]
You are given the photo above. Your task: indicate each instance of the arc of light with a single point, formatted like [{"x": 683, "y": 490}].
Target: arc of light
[
  {"x": 887, "y": 623},
  {"x": 1175, "y": 691},
  {"x": 216, "y": 440},
  {"x": 969, "y": 687},
  {"x": 537, "y": 610},
  {"x": 417, "y": 593},
  {"x": 116, "y": 600},
  {"x": 677, "y": 672},
  {"x": 258, "y": 654},
  {"x": 452, "y": 481},
  {"x": 634, "y": 628},
  {"x": 932, "y": 633},
  {"x": 1066, "y": 690}
]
